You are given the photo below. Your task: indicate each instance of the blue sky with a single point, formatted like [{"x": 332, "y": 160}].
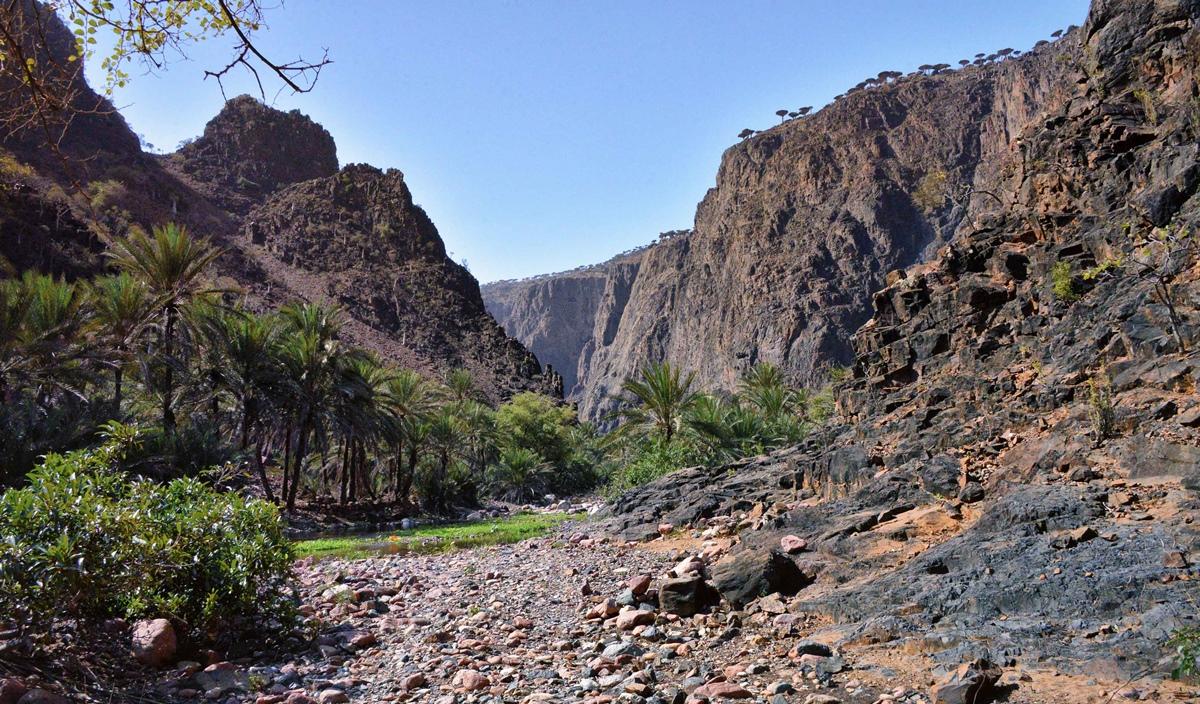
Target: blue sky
[{"x": 541, "y": 135}]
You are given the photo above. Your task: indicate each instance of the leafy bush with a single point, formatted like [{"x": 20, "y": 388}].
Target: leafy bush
[
  {"x": 537, "y": 423},
  {"x": 1100, "y": 406},
  {"x": 930, "y": 193},
  {"x": 653, "y": 458},
  {"x": 1186, "y": 642},
  {"x": 1062, "y": 281},
  {"x": 83, "y": 540}
]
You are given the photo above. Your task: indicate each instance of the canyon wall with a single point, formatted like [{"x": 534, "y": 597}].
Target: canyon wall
[{"x": 804, "y": 223}]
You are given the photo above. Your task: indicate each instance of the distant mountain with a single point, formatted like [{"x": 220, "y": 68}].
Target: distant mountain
[{"x": 265, "y": 185}]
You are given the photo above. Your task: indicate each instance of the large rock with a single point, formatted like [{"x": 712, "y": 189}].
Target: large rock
[
  {"x": 154, "y": 642},
  {"x": 971, "y": 683},
  {"x": 747, "y": 575},
  {"x": 11, "y": 690},
  {"x": 42, "y": 696},
  {"x": 687, "y": 595},
  {"x": 804, "y": 223},
  {"x": 380, "y": 256}
]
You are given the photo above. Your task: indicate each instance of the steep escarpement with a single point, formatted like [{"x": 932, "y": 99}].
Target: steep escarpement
[
  {"x": 1014, "y": 470},
  {"x": 805, "y": 220},
  {"x": 275, "y": 173},
  {"x": 561, "y": 317}
]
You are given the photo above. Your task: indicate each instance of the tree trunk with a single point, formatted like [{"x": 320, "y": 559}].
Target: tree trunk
[
  {"x": 413, "y": 458},
  {"x": 298, "y": 461},
  {"x": 287, "y": 461},
  {"x": 168, "y": 413},
  {"x": 397, "y": 470},
  {"x": 118, "y": 373},
  {"x": 344, "y": 475},
  {"x": 262, "y": 473}
]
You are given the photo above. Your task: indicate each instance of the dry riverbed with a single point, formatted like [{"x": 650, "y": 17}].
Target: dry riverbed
[{"x": 567, "y": 618}]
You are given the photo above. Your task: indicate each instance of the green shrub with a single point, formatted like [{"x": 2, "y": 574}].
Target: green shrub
[
  {"x": 652, "y": 458},
  {"x": 1111, "y": 264},
  {"x": 1100, "y": 406},
  {"x": 1062, "y": 281},
  {"x": 83, "y": 540},
  {"x": 537, "y": 423},
  {"x": 1186, "y": 642},
  {"x": 930, "y": 192}
]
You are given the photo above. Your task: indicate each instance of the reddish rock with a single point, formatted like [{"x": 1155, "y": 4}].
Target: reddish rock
[
  {"x": 639, "y": 585},
  {"x": 605, "y": 609},
  {"x": 153, "y": 642},
  {"x": 1175, "y": 560},
  {"x": 414, "y": 681},
  {"x": 632, "y": 618},
  {"x": 792, "y": 544},
  {"x": 722, "y": 690},
  {"x": 11, "y": 690},
  {"x": 470, "y": 681}
]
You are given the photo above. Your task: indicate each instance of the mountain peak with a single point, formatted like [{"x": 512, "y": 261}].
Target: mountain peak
[{"x": 250, "y": 150}]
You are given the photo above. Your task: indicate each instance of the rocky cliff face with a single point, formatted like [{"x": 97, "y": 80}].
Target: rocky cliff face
[
  {"x": 806, "y": 219},
  {"x": 265, "y": 186},
  {"x": 560, "y": 317},
  {"x": 1013, "y": 458},
  {"x": 249, "y": 151},
  {"x": 357, "y": 238}
]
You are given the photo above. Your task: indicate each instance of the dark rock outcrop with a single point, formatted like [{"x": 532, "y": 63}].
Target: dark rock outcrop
[
  {"x": 249, "y": 151},
  {"x": 974, "y": 376}
]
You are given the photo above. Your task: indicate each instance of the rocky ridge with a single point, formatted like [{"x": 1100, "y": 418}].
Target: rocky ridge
[
  {"x": 1014, "y": 471},
  {"x": 805, "y": 220}
]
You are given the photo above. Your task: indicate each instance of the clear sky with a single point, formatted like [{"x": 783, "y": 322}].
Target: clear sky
[{"x": 545, "y": 134}]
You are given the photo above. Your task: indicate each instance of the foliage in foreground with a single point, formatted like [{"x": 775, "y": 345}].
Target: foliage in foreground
[
  {"x": 278, "y": 393},
  {"x": 83, "y": 540}
]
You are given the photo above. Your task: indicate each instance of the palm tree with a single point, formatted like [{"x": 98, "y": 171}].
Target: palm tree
[
  {"x": 44, "y": 322},
  {"x": 445, "y": 437},
  {"x": 661, "y": 395},
  {"x": 460, "y": 386},
  {"x": 171, "y": 264},
  {"x": 362, "y": 415},
  {"x": 411, "y": 398},
  {"x": 121, "y": 310},
  {"x": 519, "y": 474},
  {"x": 250, "y": 372},
  {"x": 479, "y": 432},
  {"x": 310, "y": 355}
]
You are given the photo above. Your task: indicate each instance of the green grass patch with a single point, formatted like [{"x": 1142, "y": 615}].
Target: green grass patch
[{"x": 425, "y": 540}]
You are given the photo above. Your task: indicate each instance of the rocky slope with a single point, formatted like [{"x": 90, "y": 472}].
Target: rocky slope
[
  {"x": 1014, "y": 470},
  {"x": 806, "y": 219},
  {"x": 357, "y": 238},
  {"x": 264, "y": 185}
]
